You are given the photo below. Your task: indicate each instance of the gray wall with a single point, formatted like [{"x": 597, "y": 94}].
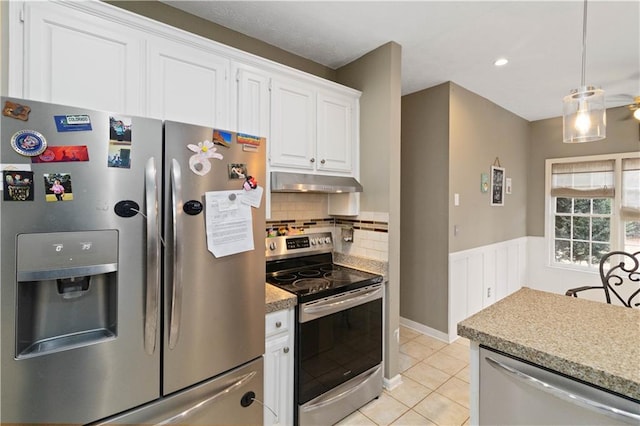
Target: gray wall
[
  {"x": 449, "y": 137},
  {"x": 378, "y": 75},
  {"x": 623, "y": 135},
  {"x": 480, "y": 131},
  {"x": 193, "y": 24},
  {"x": 424, "y": 204}
]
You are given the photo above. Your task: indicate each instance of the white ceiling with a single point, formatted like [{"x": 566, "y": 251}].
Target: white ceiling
[{"x": 458, "y": 41}]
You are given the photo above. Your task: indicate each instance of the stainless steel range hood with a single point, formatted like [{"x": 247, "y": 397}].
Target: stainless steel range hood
[{"x": 300, "y": 182}]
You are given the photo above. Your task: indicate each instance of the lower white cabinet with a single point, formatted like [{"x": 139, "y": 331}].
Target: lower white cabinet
[{"x": 278, "y": 368}]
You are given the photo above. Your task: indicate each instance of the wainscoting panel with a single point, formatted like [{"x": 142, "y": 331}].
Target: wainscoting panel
[{"x": 481, "y": 276}]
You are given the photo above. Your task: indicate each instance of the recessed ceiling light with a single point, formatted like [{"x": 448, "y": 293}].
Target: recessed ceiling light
[{"x": 501, "y": 62}]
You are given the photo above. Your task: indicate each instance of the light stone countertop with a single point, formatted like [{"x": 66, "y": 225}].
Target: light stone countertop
[
  {"x": 277, "y": 299},
  {"x": 594, "y": 342}
]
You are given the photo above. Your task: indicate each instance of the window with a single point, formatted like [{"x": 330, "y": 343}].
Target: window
[
  {"x": 630, "y": 210},
  {"x": 587, "y": 216}
]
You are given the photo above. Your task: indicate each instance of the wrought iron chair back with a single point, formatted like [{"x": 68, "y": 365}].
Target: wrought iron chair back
[{"x": 621, "y": 282}]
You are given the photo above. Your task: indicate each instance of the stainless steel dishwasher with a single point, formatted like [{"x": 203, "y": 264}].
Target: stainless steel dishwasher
[{"x": 514, "y": 392}]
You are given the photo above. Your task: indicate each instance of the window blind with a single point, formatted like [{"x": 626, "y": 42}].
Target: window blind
[
  {"x": 630, "y": 209},
  {"x": 586, "y": 179}
]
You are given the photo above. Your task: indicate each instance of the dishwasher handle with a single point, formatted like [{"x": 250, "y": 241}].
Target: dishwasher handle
[{"x": 563, "y": 394}]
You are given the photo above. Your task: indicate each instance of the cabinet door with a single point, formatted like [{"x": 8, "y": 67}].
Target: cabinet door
[
  {"x": 336, "y": 137},
  {"x": 293, "y": 126},
  {"x": 77, "y": 58},
  {"x": 250, "y": 103},
  {"x": 187, "y": 83},
  {"x": 278, "y": 375}
]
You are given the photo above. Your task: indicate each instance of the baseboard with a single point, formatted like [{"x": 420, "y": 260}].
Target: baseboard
[
  {"x": 423, "y": 329},
  {"x": 392, "y": 383}
]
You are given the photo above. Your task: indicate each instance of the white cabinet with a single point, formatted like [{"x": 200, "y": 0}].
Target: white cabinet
[
  {"x": 95, "y": 55},
  {"x": 313, "y": 129},
  {"x": 76, "y": 58},
  {"x": 250, "y": 101},
  {"x": 336, "y": 143},
  {"x": 293, "y": 126},
  {"x": 187, "y": 83},
  {"x": 278, "y": 368}
]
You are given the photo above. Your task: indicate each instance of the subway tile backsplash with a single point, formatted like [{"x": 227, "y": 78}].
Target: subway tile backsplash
[{"x": 309, "y": 213}]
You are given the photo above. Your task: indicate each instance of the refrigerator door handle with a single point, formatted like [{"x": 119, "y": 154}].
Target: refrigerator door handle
[
  {"x": 153, "y": 257},
  {"x": 176, "y": 248},
  {"x": 182, "y": 416}
]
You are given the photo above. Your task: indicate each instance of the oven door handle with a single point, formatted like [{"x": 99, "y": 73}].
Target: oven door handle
[
  {"x": 340, "y": 305},
  {"x": 331, "y": 396}
]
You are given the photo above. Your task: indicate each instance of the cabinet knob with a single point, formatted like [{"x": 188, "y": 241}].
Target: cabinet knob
[
  {"x": 313, "y": 160},
  {"x": 285, "y": 349},
  {"x": 278, "y": 324},
  {"x": 322, "y": 161}
]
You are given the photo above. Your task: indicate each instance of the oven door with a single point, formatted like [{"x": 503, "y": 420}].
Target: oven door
[{"x": 338, "y": 339}]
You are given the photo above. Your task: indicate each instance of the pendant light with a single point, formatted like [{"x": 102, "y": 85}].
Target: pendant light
[{"x": 584, "y": 116}]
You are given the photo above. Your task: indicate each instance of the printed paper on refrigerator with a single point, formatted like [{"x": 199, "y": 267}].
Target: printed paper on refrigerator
[{"x": 229, "y": 223}]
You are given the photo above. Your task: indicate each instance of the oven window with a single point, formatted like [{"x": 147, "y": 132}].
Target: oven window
[{"x": 338, "y": 347}]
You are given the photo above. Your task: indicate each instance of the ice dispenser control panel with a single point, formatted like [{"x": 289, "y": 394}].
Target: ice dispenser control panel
[{"x": 63, "y": 254}]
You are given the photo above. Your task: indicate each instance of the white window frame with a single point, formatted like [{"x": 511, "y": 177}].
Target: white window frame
[{"x": 617, "y": 230}]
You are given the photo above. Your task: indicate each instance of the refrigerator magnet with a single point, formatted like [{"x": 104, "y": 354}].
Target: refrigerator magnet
[
  {"x": 250, "y": 183},
  {"x": 199, "y": 162},
  {"x": 58, "y": 187},
  {"x": 245, "y": 139},
  {"x": 72, "y": 123},
  {"x": 237, "y": 170},
  {"x": 62, "y": 153},
  {"x": 120, "y": 128},
  {"x": 220, "y": 137},
  {"x": 17, "y": 185},
  {"x": 17, "y": 111},
  {"x": 28, "y": 143}
]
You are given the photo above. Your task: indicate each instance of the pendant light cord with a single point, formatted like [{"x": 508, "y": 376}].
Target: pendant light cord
[{"x": 584, "y": 45}]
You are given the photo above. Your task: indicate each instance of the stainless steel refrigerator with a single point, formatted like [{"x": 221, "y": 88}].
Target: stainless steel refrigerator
[{"x": 114, "y": 308}]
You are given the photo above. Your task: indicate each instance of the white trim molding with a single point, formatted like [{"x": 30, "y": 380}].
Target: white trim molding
[
  {"x": 481, "y": 276},
  {"x": 431, "y": 332},
  {"x": 392, "y": 383}
]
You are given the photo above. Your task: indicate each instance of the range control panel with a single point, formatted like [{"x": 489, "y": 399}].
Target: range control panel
[{"x": 298, "y": 245}]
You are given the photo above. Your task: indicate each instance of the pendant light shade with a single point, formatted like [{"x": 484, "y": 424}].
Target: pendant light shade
[{"x": 584, "y": 116}]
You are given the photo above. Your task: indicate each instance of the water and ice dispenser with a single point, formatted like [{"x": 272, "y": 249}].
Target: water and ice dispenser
[{"x": 67, "y": 290}]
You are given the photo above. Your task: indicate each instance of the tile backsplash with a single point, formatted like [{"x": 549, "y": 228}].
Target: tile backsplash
[
  {"x": 309, "y": 213},
  {"x": 287, "y": 206}
]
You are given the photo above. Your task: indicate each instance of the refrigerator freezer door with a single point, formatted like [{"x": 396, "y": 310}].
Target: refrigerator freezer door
[
  {"x": 72, "y": 375},
  {"x": 214, "y": 307},
  {"x": 225, "y": 400}
]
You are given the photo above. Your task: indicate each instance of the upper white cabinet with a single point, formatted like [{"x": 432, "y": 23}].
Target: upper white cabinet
[
  {"x": 313, "y": 129},
  {"x": 337, "y": 139},
  {"x": 95, "y": 55},
  {"x": 293, "y": 126},
  {"x": 76, "y": 58},
  {"x": 187, "y": 83},
  {"x": 250, "y": 100}
]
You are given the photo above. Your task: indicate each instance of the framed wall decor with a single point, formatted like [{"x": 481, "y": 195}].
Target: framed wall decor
[{"x": 497, "y": 186}]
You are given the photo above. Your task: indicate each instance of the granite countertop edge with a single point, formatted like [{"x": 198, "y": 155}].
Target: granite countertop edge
[
  {"x": 575, "y": 370},
  {"x": 480, "y": 328},
  {"x": 277, "y": 299}
]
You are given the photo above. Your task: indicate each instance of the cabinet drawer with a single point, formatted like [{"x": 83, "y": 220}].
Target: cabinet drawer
[{"x": 277, "y": 322}]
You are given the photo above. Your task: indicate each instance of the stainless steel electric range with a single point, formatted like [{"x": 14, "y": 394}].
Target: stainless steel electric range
[{"x": 338, "y": 332}]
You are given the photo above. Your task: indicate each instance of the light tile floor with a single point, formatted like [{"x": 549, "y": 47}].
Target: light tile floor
[{"x": 434, "y": 389}]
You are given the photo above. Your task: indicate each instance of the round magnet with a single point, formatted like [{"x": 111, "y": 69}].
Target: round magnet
[{"x": 29, "y": 143}]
